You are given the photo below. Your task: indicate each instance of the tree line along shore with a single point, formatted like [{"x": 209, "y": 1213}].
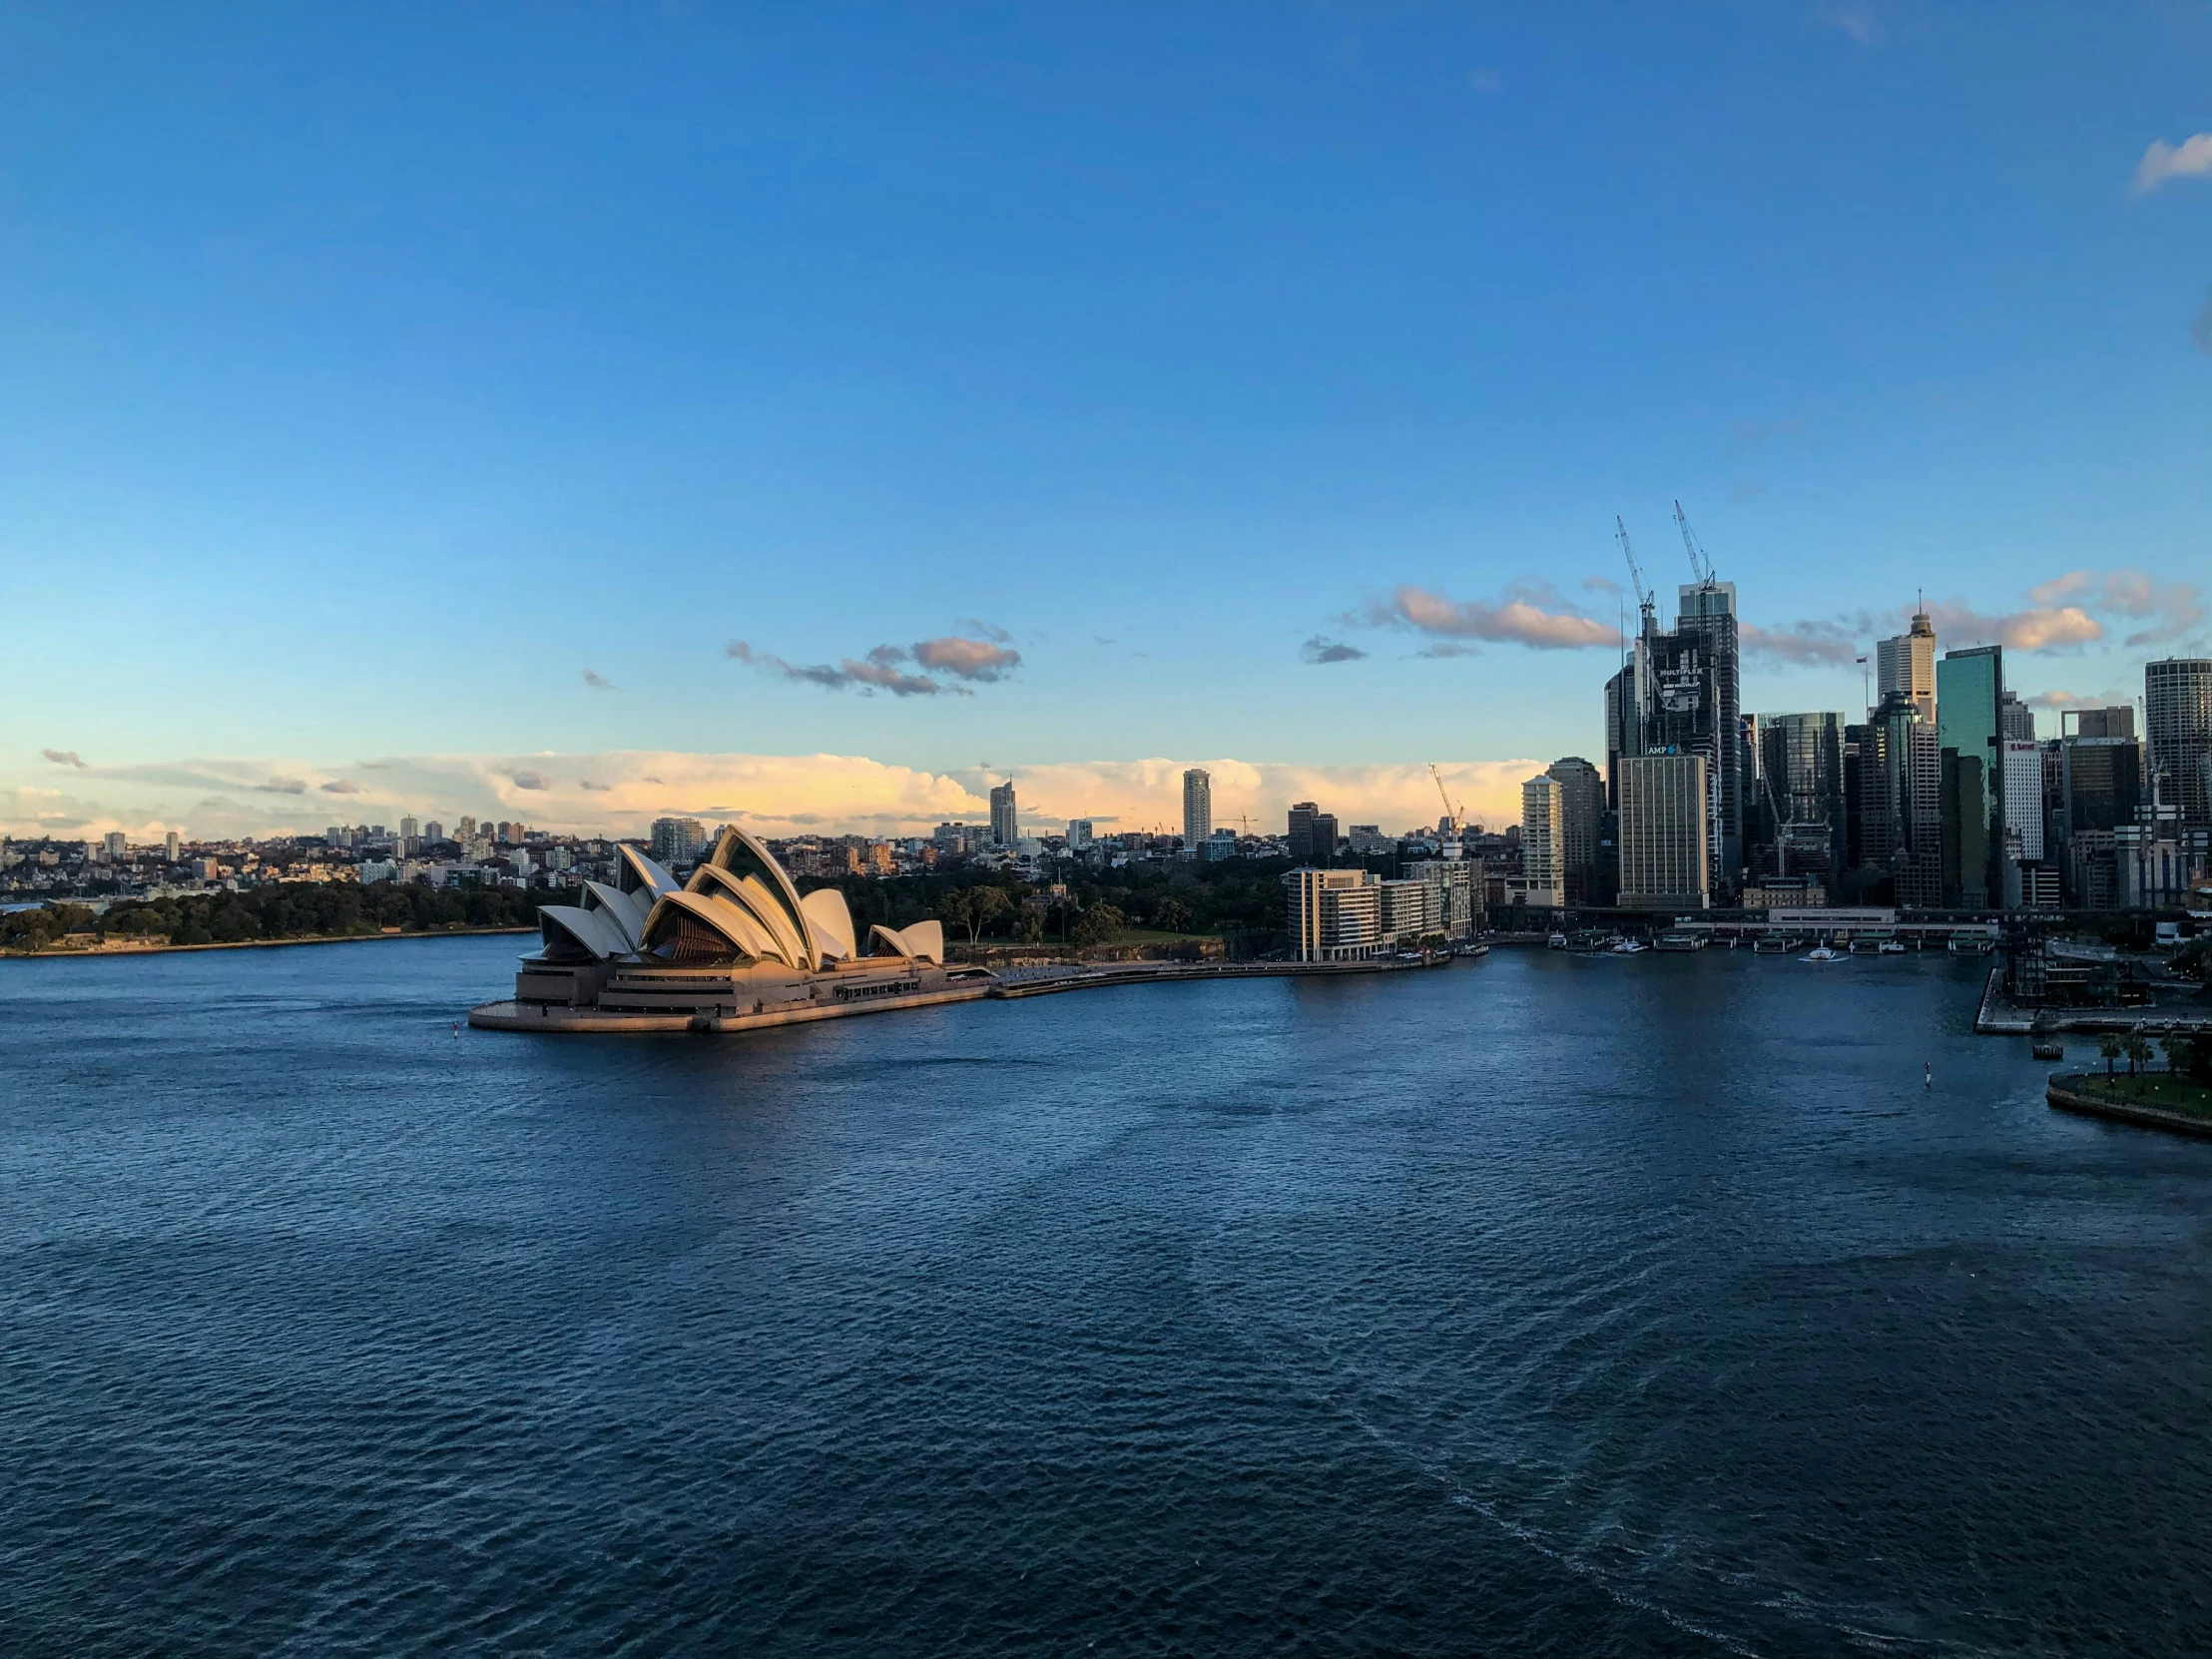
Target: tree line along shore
[{"x": 980, "y": 909}]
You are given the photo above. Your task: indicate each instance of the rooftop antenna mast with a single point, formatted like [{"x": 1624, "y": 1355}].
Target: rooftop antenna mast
[{"x": 1646, "y": 600}]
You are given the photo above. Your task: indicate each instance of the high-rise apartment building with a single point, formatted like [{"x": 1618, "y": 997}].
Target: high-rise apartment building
[
  {"x": 115, "y": 846},
  {"x": 433, "y": 831},
  {"x": 1079, "y": 834},
  {"x": 1335, "y": 915},
  {"x": 1005, "y": 820},
  {"x": 2177, "y": 716},
  {"x": 1198, "y": 807},
  {"x": 1905, "y": 664},
  {"x": 1544, "y": 842},
  {"x": 1582, "y": 817},
  {"x": 168, "y": 846},
  {"x": 1458, "y": 882},
  {"x": 1666, "y": 853},
  {"x": 677, "y": 839},
  {"x": 407, "y": 828}
]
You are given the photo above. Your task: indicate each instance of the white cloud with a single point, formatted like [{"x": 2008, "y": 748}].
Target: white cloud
[
  {"x": 2163, "y": 162},
  {"x": 1530, "y": 613},
  {"x": 986, "y": 660},
  {"x": 968, "y": 659},
  {"x": 2043, "y": 628},
  {"x": 2171, "y": 609},
  {"x": 621, "y": 791}
]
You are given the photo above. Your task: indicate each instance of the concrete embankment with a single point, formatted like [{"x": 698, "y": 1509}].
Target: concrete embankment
[
  {"x": 2085, "y": 1096},
  {"x": 1999, "y": 1016},
  {"x": 552, "y": 1018},
  {"x": 1044, "y": 981}
]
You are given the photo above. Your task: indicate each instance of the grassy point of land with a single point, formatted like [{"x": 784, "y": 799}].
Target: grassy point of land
[{"x": 2160, "y": 1089}]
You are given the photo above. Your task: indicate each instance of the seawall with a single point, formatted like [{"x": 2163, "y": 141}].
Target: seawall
[
  {"x": 551, "y": 1019},
  {"x": 2139, "y": 1112}
]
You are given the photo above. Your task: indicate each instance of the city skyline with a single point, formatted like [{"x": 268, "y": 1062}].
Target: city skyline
[{"x": 620, "y": 791}]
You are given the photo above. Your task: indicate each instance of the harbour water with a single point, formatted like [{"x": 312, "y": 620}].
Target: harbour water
[{"x": 1546, "y": 1304}]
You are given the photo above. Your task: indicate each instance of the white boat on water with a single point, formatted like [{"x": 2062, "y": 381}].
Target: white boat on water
[
  {"x": 1629, "y": 947},
  {"x": 1557, "y": 942},
  {"x": 1890, "y": 947},
  {"x": 1821, "y": 954}
]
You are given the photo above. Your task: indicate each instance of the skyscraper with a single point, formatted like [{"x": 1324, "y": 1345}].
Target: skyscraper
[
  {"x": 1079, "y": 834},
  {"x": 1910, "y": 764},
  {"x": 168, "y": 846},
  {"x": 1005, "y": 822},
  {"x": 1969, "y": 734},
  {"x": 1666, "y": 861},
  {"x": 2177, "y": 708},
  {"x": 1544, "y": 842},
  {"x": 1623, "y": 732},
  {"x": 1905, "y": 664},
  {"x": 1582, "y": 814},
  {"x": 1198, "y": 807},
  {"x": 1801, "y": 772},
  {"x": 1709, "y": 614},
  {"x": 1299, "y": 836}
]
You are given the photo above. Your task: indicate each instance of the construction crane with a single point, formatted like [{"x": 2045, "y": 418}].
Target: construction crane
[
  {"x": 1456, "y": 816},
  {"x": 1646, "y": 600},
  {"x": 1699, "y": 563}
]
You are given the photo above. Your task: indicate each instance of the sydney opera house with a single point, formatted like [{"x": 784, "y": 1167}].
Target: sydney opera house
[{"x": 734, "y": 947}]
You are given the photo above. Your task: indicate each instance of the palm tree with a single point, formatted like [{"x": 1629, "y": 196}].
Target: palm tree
[
  {"x": 2110, "y": 1046},
  {"x": 2138, "y": 1053}
]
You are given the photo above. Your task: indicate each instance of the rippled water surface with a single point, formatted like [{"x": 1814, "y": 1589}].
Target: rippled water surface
[{"x": 1535, "y": 1307}]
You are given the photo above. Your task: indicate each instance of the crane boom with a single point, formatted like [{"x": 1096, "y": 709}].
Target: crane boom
[
  {"x": 1646, "y": 600},
  {"x": 1438, "y": 778},
  {"x": 1699, "y": 563}
]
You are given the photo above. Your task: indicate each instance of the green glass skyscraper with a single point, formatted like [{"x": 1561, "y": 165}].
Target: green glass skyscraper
[{"x": 1970, "y": 693}]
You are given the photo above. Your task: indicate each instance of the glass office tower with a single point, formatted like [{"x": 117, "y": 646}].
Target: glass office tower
[{"x": 1970, "y": 721}]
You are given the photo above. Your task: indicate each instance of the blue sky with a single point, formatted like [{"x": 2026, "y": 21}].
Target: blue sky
[{"x": 372, "y": 373}]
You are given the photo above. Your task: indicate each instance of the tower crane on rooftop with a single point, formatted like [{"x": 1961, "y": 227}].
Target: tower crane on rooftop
[
  {"x": 1699, "y": 563},
  {"x": 1646, "y": 600},
  {"x": 1455, "y": 814}
]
